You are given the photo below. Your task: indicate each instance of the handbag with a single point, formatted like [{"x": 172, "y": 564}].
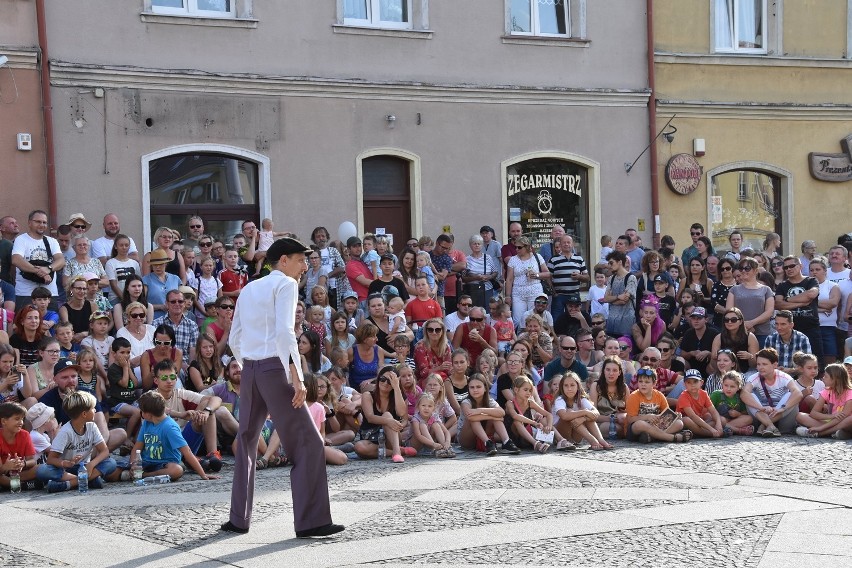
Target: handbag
[
  {"x": 32, "y": 276},
  {"x": 546, "y": 286},
  {"x": 476, "y": 290}
]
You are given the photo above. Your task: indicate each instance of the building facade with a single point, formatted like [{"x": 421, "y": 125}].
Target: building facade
[
  {"x": 755, "y": 88},
  {"x": 403, "y": 115}
]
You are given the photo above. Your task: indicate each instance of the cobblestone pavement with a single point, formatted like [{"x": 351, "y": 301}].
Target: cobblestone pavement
[{"x": 732, "y": 503}]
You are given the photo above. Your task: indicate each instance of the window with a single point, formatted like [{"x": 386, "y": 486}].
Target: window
[
  {"x": 201, "y": 8},
  {"x": 740, "y": 26},
  {"x": 393, "y": 14},
  {"x": 749, "y": 200},
  {"x": 540, "y": 17}
]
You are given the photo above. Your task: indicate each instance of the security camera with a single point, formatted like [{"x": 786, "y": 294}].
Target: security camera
[{"x": 3, "y": 60}]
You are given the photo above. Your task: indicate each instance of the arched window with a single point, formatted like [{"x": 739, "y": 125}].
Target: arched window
[{"x": 748, "y": 200}]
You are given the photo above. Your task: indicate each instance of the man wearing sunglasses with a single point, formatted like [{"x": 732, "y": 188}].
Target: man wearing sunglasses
[
  {"x": 475, "y": 335},
  {"x": 196, "y": 230},
  {"x": 458, "y": 317},
  {"x": 669, "y": 382},
  {"x": 696, "y": 231},
  {"x": 800, "y": 294},
  {"x": 567, "y": 361},
  {"x": 264, "y": 343}
]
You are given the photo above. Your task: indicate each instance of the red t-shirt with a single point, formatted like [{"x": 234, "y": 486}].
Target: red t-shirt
[
  {"x": 22, "y": 446},
  {"x": 418, "y": 311},
  {"x": 231, "y": 281},
  {"x": 355, "y": 268},
  {"x": 474, "y": 348},
  {"x": 701, "y": 405}
]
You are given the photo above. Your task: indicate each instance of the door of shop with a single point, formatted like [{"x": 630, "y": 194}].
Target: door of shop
[{"x": 387, "y": 197}]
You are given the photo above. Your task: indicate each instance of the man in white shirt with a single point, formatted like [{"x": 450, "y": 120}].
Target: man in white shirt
[
  {"x": 458, "y": 317},
  {"x": 264, "y": 342},
  {"x": 840, "y": 275},
  {"x": 39, "y": 257},
  {"x": 102, "y": 247}
]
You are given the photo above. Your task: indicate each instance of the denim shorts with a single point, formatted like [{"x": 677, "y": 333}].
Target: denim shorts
[{"x": 47, "y": 472}]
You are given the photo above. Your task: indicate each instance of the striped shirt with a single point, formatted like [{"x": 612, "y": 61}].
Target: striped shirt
[{"x": 562, "y": 268}]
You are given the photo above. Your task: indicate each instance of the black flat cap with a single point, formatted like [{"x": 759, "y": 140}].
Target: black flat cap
[{"x": 284, "y": 247}]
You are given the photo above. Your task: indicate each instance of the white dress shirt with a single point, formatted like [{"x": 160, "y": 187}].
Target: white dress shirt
[{"x": 264, "y": 322}]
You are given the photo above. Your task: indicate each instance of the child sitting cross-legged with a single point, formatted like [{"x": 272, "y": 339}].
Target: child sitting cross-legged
[
  {"x": 645, "y": 413},
  {"x": 523, "y": 414},
  {"x": 699, "y": 414},
  {"x": 428, "y": 431},
  {"x": 161, "y": 443},
  {"x": 730, "y": 406},
  {"x": 17, "y": 453},
  {"x": 831, "y": 414},
  {"x": 577, "y": 416},
  {"x": 79, "y": 442}
]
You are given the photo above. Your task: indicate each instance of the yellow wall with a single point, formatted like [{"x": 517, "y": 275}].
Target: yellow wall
[
  {"x": 682, "y": 26},
  {"x": 815, "y": 28}
]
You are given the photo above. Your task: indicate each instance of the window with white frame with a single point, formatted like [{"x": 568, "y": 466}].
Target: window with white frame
[
  {"x": 391, "y": 14},
  {"x": 201, "y": 8},
  {"x": 740, "y": 26},
  {"x": 540, "y": 18}
]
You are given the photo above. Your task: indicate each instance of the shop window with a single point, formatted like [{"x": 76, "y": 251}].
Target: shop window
[
  {"x": 390, "y": 14},
  {"x": 543, "y": 192},
  {"x": 200, "y": 8},
  {"x": 740, "y": 26},
  {"x": 748, "y": 200},
  {"x": 221, "y": 189}
]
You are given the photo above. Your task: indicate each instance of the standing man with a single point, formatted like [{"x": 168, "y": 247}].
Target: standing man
[
  {"x": 443, "y": 263},
  {"x": 37, "y": 258},
  {"x": 568, "y": 270},
  {"x": 359, "y": 274},
  {"x": 800, "y": 294},
  {"x": 634, "y": 251},
  {"x": 839, "y": 274},
  {"x": 8, "y": 232},
  {"x": 548, "y": 250},
  {"x": 696, "y": 231},
  {"x": 264, "y": 342},
  {"x": 331, "y": 260},
  {"x": 489, "y": 244},
  {"x": 196, "y": 230},
  {"x": 459, "y": 264},
  {"x": 102, "y": 247},
  {"x": 509, "y": 249}
]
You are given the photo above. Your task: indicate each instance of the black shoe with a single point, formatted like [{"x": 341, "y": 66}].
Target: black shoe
[
  {"x": 214, "y": 461},
  {"x": 204, "y": 463},
  {"x": 231, "y": 527},
  {"x": 490, "y": 448},
  {"x": 509, "y": 447},
  {"x": 325, "y": 530}
]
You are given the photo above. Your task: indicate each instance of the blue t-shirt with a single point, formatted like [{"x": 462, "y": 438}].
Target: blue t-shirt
[
  {"x": 555, "y": 368},
  {"x": 162, "y": 441}
]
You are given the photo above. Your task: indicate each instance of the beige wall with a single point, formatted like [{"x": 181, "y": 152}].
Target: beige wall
[
  {"x": 815, "y": 28},
  {"x": 682, "y": 26}
]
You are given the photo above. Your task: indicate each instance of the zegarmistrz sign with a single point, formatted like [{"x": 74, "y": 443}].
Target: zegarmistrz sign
[{"x": 832, "y": 167}]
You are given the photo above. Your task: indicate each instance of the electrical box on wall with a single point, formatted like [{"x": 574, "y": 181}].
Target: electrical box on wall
[
  {"x": 698, "y": 147},
  {"x": 25, "y": 141}
]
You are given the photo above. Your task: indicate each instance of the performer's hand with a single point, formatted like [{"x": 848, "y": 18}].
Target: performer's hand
[{"x": 299, "y": 395}]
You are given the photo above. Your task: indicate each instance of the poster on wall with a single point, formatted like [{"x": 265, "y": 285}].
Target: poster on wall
[{"x": 544, "y": 192}]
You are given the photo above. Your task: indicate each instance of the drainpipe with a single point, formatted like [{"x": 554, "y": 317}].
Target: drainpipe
[
  {"x": 47, "y": 115},
  {"x": 652, "y": 127}
]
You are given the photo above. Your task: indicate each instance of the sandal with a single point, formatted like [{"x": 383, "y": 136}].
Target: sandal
[
  {"x": 450, "y": 453},
  {"x": 644, "y": 438},
  {"x": 565, "y": 446},
  {"x": 274, "y": 461},
  {"x": 683, "y": 436},
  {"x": 542, "y": 447},
  {"x": 596, "y": 447},
  {"x": 261, "y": 463},
  {"x": 397, "y": 458}
]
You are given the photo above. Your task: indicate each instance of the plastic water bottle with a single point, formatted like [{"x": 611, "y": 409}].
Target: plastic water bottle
[
  {"x": 15, "y": 481},
  {"x": 612, "y": 427},
  {"x": 83, "y": 479},
  {"x": 155, "y": 480},
  {"x": 381, "y": 444},
  {"x": 136, "y": 466}
]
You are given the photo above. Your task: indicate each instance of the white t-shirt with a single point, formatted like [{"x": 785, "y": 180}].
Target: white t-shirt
[
  {"x": 845, "y": 291},
  {"x": 452, "y": 321},
  {"x": 777, "y": 391},
  {"x": 69, "y": 443},
  {"x": 40, "y": 442},
  {"x": 33, "y": 249},
  {"x": 120, "y": 271},
  {"x": 829, "y": 320},
  {"x": 560, "y": 404},
  {"x": 175, "y": 403},
  {"x": 103, "y": 247},
  {"x": 595, "y": 295}
]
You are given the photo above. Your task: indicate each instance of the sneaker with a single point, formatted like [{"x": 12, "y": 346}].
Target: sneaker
[
  {"x": 490, "y": 448},
  {"x": 772, "y": 433},
  {"x": 727, "y": 432},
  {"x": 214, "y": 460},
  {"x": 203, "y": 462},
  {"x": 805, "y": 433},
  {"x": 842, "y": 435},
  {"x": 346, "y": 448},
  {"x": 126, "y": 475},
  {"x": 54, "y": 486},
  {"x": 509, "y": 447},
  {"x": 97, "y": 483}
]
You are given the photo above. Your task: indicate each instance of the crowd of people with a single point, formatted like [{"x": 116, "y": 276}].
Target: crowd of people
[{"x": 119, "y": 362}]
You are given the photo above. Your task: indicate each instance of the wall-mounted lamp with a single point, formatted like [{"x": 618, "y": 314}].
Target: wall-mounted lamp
[
  {"x": 3, "y": 60},
  {"x": 669, "y": 134},
  {"x": 391, "y": 119}
]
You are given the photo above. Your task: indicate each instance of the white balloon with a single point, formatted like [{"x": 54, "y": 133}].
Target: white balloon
[{"x": 345, "y": 230}]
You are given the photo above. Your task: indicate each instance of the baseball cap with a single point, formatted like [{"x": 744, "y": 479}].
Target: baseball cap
[
  {"x": 352, "y": 241},
  {"x": 63, "y": 364},
  {"x": 848, "y": 360},
  {"x": 573, "y": 298},
  {"x": 387, "y": 256},
  {"x": 660, "y": 278},
  {"x": 349, "y": 294},
  {"x": 100, "y": 315},
  {"x": 698, "y": 312},
  {"x": 693, "y": 374}
]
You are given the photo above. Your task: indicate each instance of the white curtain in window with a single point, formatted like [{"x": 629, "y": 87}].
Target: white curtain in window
[
  {"x": 393, "y": 10},
  {"x": 749, "y": 14},
  {"x": 724, "y": 24},
  {"x": 355, "y": 9}
]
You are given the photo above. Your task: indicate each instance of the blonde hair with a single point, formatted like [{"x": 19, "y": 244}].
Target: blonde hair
[
  {"x": 424, "y": 254},
  {"x": 442, "y": 396},
  {"x": 77, "y": 403}
]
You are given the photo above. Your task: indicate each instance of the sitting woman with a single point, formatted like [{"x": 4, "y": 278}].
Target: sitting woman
[
  {"x": 78, "y": 309},
  {"x": 313, "y": 361},
  {"x": 39, "y": 377},
  {"x": 432, "y": 353},
  {"x": 134, "y": 291},
  {"x": 164, "y": 348},
  {"x": 613, "y": 349},
  {"x": 28, "y": 334},
  {"x": 577, "y": 416},
  {"x": 207, "y": 368},
  {"x": 481, "y": 419},
  {"x": 830, "y": 415},
  {"x": 650, "y": 327},
  {"x": 736, "y": 339},
  {"x": 609, "y": 395},
  {"x": 366, "y": 358},
  {"x": 385, "y": 413},
  {"x": 138, "y": 333}
]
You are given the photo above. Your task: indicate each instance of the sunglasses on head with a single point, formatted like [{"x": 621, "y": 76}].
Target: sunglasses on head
[{"x": 646, "y": 373}]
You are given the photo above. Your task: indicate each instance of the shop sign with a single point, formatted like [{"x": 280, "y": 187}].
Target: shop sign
[
  {"x": 832, "y": 167},
  {"x": 683, "y": 173}
]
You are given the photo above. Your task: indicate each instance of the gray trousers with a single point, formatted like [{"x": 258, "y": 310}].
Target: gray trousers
[{"x": 264, "y": 389}]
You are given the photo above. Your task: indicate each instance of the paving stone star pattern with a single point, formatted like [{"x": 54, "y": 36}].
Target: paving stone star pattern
[
  {"x": 687, "y": 545},
  {"x": 12, "y": 557}
]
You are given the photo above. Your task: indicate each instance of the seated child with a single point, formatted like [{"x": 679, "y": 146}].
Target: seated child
[
  {"x": 575, "y": 416},
  {"x": 428, "y": 430},
  {"x": 122, "y": 388},
  {"x": 645, "y": 409},
  {"x": 523, "y": 414},
  {"x": 16, "y": 449},
  {"x": 730, "y": 407},
  {"x": 699, "y": 414},
  {"x": 401, "y": 347},
  {"x": 830, "y": 415},
  {"x": 396, "y": 315},
  {"x": 160, "y": 442},
  {"x": 75, "y": 445},
  {"x": 443, "y": 409},
  {"x": 64, "y": 332},
  {"x": 44, "y": 426}
]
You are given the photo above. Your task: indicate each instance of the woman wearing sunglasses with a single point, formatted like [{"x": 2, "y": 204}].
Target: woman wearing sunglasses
[
  {"x": 721, "y": 289},
  {"x": 432, "y": 353},
  {"x": 385, "y": 411},
  {"x": 736, "y": 339},
  {"x": 139, "y": 333},
  {"x": 164, "y": 348},
  {"x": 755, "y": 300}
]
